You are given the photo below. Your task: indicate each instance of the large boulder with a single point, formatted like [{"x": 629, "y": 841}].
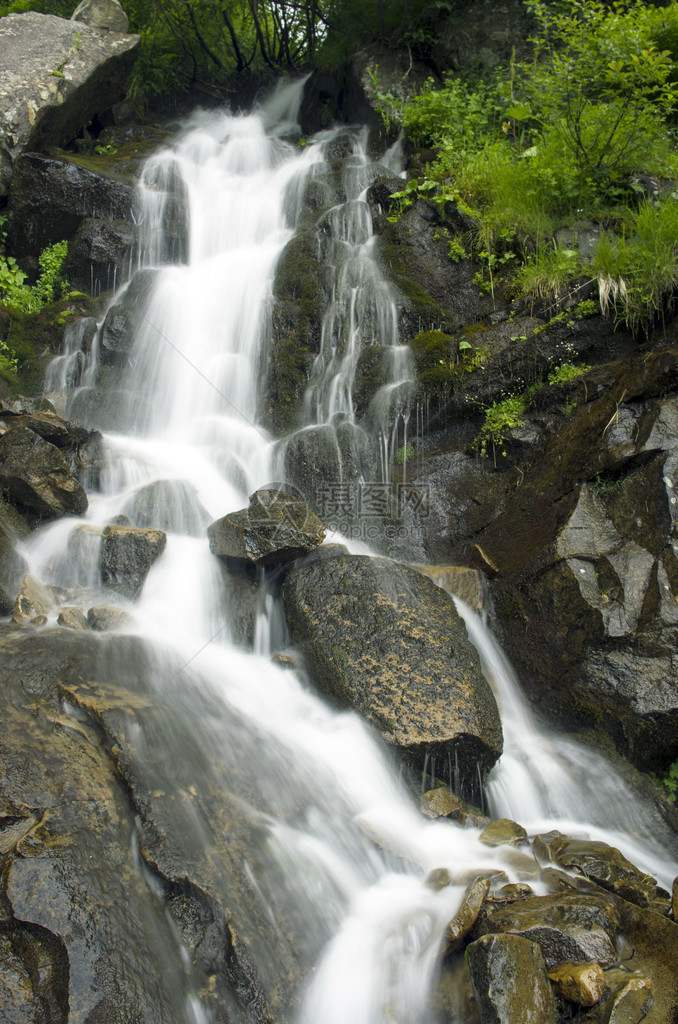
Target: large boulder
[
  {"x": 276, "y": 528},
  {"x": 52, "y": 199},
  {"x": 384, "y": 640},
  {"x": 36, "y": 476},
  {"x": 56, "y": 77}
]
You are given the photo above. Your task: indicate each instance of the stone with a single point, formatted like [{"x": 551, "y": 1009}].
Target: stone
[
  {"x": 276, "y": 528},
  {"x": 103, "y": 618},
  {"x": 510, "y": 981},
  {"x": 169, "y": 505},
  {"x": 56, "y": 77},
  {"x": 466, "y": 584},
  {"x": 33, "y": 600},
  {"x": 385, "y": 641},
  {"x": 674, "y": 898},
  {"x": 104, "y": 15},
  {"x": 439, "y": 803},
  {"x": 503, "y": 832},
  {"x": 37, "y": 477},
  {"x": 467, "y": 915},
  {"x": 630, "y": 998},
  {"x": 72, "y": 618},
  {"x": 127, "y": 554},
  {"x": 569, "y": 928},
  {"x": 581, "y": 984}
]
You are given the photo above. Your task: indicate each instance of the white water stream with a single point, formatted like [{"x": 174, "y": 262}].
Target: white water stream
[{"x": 358, "y": 913}]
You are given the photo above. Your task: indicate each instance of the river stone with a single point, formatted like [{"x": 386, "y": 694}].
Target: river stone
[
  {"x": 385, "y": 641},
  {"x": 582, "y": 984},
  {"x": 33, "y": 600},
  {"x": 276, "y": 527},
  {"x": 103, "y": 617},
  {"x": 629, "y": 1000},
  {"x": 104, "y": 15},
  {"x": 510, "y": 981},
  {"x": 466, "y": 916},
  {"x": 569, "y": 928},
  {"x": 603, "y": 864},
  {"x": 127, "y": 554},
  {"x": 439, "y": 803},
  {"x": 503, "y": 832},
  {"x": 73, "y": 618},
  {"x": 36, "y": 476}
]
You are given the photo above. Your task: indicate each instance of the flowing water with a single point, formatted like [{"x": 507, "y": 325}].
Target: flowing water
[{"x": 323, "y": 840}]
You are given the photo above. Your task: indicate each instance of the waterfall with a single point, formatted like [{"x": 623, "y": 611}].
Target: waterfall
[{"x": 232, "y": 745}]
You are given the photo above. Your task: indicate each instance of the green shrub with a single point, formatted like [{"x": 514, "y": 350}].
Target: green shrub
[
  {"x": 15, "y": 294},
  {"x": 567, "y": 372}
]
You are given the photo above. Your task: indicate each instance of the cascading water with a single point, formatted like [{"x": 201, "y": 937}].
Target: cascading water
[{"x": 274, "y": 799}]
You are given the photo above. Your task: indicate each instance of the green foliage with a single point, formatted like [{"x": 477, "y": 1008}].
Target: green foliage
[
  {"x": 405, "y": 454},
  {"x": 637, "y": 269},
  {"x": 500, "y": 418},
  {"x": 567, "y": 372},
  {"x": 670, "y": 782},
  {"x": 547, "y": 273},
  {"x": 598, "y": 85},
  {"x": 15, "y": 294}
]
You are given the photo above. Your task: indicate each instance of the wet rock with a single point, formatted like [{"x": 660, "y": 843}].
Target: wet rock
[
  {"x": 384, "y": 640},
  {"x": 503, "y": 832},
  {"x": 127, "y": 554},
  {"x": 581, "y": 984},
  {"x": 13, "y": 566},
  {"x": 123, "y": 319},
  {"x": 467, "y": 915},
  {"x": 674, "y": 898},
  {"x": 569, "y": 928},
  {"x": 169, "y": 505},
  {"x": 33, "y": 600},
  {"x": 595, "y": 860},
  {"x": 438, "y": 879},
  {"x": 72, "y": 618},
  {"x": 42, "y": 109},
  {"x": 510, "y": 981},
  {"x": 36, "y": 476},
  {"x": 466, "y": 584},
  {"x": 286, "y": 661},
  {"x": 630, "y": 998},
  {"x": 439, "y": 803},
  {"x": 276, "y": 528},
  {"x": 103, "y": 618}
]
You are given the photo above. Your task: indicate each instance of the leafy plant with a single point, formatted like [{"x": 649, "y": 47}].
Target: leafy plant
[
  {"x": 500, "y": 418},
  {"x": 567, "y": 372},
  {"x": 15, "y": 294}
]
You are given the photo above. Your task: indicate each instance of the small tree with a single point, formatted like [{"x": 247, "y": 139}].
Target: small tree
[{"x": 598, "y": 84}]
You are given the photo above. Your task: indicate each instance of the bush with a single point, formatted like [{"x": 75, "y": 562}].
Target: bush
[{"x": 15, "y": 294}]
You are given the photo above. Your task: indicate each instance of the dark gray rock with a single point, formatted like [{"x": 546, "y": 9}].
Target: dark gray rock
[
  {"x": 276, "y": 528},
  {"x": 53, "y": 199},
  {"x": 103, "y": 618},
  {"x": 123, "y": 320},
  {"x": 56, "y": 77},
  {"x": 510, "y": 981},
  {"x": 37, "y": 477},
  {"x": 387, "y": 642},
  {"x": 127, "y": 554}
]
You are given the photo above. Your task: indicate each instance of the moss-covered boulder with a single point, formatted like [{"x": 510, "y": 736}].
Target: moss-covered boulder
[
  {"x": 300, "y": 294},
  {"x": 387, "y": 642}
]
